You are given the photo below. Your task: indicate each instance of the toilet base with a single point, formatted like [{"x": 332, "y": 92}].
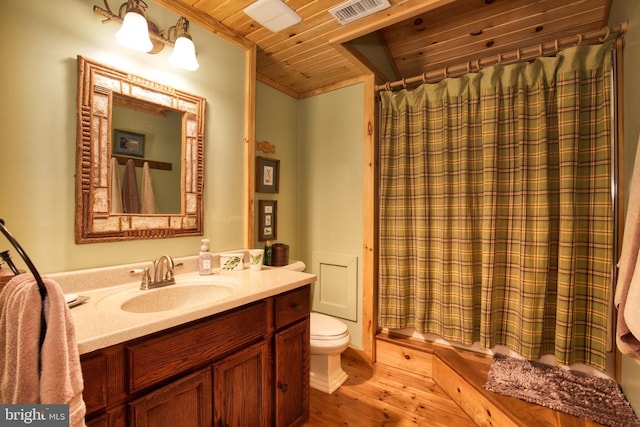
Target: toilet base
[{"x": 326, "y": 373}]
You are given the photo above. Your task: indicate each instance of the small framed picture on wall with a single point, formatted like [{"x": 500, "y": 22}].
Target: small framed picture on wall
[
  {"x": 267, "y": 220},
  {"x": 267, "y": 175},
  {"x": 128, "y": 143}
]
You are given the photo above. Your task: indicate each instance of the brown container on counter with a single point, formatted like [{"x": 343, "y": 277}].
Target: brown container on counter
[{"x": 280, "y": 255}]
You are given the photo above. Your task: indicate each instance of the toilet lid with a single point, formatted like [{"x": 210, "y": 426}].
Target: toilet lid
[{"x": 323, "y": 326}]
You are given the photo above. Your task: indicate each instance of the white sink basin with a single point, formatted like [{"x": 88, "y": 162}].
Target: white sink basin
[
  {"x": 189, "y": 291},
  {"x": 173, "y": 297}
]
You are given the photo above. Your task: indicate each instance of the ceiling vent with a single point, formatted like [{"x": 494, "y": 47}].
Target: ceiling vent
[{"x": 353, "y": 10}]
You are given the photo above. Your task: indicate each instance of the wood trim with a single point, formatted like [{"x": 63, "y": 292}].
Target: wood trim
[
  {"x": 250, "y": 147},
  {"x": 359, "y": 58},
  {"x": 461, "y": 374},
  {"x": 369, "y": 221},
  {"x": 153, "y": 164},
  {"x": 336, "y": 86},
  {"x": 356, "y": 354},
  {"x": 274, "y": 84}
]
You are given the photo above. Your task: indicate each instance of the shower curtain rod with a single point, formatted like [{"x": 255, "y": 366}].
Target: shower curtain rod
[{"x": 524, "y": 54}]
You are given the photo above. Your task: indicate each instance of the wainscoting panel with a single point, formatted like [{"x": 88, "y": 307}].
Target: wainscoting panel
[{"x": 336, "y": 290}]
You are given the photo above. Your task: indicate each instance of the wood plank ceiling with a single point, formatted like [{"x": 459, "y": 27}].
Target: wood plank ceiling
[{"x": 417, "y": 35}]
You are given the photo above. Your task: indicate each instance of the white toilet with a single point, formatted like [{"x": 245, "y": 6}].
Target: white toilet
[{"x": 329, "y": 338}]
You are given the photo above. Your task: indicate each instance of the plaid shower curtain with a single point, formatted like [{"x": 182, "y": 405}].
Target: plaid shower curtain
[{"x": 496, "y": 220}]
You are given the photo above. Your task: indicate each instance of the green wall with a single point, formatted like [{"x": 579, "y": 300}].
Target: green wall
[
  {"x": 38, "y": 109},
  {"x": 331, "y": 181},
  {"x": 319, "y": 142},
  {"x": 622, "y": 10},
  {"x": 277, "y": 123}
]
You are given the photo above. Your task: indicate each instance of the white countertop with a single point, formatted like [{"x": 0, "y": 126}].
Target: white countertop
[{"x": 101, "y": 322}]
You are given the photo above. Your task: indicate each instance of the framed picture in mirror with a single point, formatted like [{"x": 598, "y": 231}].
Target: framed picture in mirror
[
  {"x": 267, "y": 175},
  {"x": 267, "y": 220},
  {"x": 128, "y": 143}
]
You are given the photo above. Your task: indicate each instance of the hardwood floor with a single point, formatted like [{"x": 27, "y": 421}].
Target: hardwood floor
[
  {"x": 380, "y": 395},
  {"x": 416, "y": 383}
]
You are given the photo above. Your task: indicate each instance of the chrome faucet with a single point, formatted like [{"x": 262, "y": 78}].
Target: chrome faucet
[
  {"x": 162, "y": 273},
  {"x": 158, "y": 276}
]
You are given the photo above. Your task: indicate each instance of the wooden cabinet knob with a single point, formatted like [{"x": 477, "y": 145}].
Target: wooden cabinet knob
[{"x": 284, "y": 387}]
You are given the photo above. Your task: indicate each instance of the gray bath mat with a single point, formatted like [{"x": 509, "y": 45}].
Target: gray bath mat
[{"x": 571, "y": 392}]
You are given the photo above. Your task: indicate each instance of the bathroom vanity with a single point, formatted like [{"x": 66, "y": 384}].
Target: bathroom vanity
[{"x": 242, "y": 360}]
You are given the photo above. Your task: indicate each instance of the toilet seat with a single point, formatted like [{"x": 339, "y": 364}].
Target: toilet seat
[{"x": 326, "y": 328}]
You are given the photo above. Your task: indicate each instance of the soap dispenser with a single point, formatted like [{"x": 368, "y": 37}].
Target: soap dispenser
[{"x": 204, "y": 262}]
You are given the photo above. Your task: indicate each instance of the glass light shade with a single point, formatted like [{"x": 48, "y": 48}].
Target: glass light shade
[
  {"x": 134, "y": 32},
  {"x": 184, "y": 54}
]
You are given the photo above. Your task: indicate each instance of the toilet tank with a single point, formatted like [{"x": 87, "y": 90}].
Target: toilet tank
[{"x": 295, "y": 266}]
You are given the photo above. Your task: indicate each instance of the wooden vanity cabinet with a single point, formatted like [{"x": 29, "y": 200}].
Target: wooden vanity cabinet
[{"x": 246, "y": 366}]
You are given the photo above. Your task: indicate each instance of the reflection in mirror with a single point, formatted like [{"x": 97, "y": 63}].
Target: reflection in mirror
[
  {"x": 162, "y": 130},
  {"x": 125, "y": 118}
]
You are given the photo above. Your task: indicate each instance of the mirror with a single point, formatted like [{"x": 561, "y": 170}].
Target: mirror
[
  {"x": 162, "y": 131},
  {"x": 112, "y": 104}
]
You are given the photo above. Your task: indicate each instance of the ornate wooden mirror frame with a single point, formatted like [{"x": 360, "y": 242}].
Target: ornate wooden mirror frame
[{"x": 97, "y": 84}]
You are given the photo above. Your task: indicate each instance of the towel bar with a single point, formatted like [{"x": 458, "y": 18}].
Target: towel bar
[{"x": 34, "y": 271}]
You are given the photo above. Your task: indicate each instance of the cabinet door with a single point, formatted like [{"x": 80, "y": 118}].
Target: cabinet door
[
  {"x": 185, "y": 402},
  {"x": 292, "y": 375},
  {"x": 242, "y": 388}
]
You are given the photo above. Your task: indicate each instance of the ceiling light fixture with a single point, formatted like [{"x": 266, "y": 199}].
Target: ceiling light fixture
[
  {"x": 134, "y": 32},
  {"x": 138, "y": 33},
  {"x": 274, "y": 15},
  {"x": 184, "y": 52}
]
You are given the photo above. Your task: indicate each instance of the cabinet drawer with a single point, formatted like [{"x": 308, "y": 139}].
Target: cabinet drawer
[
  {"x": 161, "y": 357},
  {"x": 292, "y": 306}
]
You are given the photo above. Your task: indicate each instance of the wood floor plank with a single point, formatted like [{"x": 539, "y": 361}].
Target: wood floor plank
[{"x": 384, "y": 396}]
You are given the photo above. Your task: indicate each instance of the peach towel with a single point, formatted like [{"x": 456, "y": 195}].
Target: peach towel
[
  {"x": 116, "y": 187},
  {"x": 627, "y": 298},
  {"x": 60, "y": 380},
  {"x": 147, "y": 196}
]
